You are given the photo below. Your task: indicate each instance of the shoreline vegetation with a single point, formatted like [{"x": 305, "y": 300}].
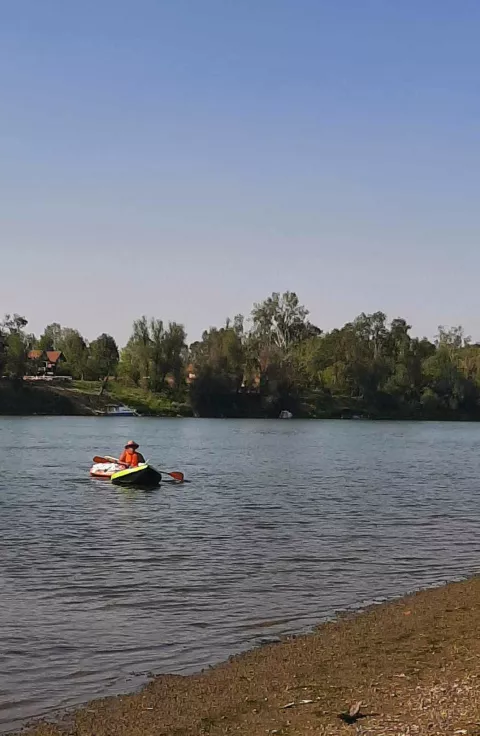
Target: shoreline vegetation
[
  {"x": 82, "y": 398},
  {"x": 274, "y": 361},
  {"x": 410, "y": 666}
]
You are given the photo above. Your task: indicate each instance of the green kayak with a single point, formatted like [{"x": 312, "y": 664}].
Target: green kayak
[{"x": 142, "y": 476}]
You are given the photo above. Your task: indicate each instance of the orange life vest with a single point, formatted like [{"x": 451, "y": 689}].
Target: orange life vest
[{"x": 132, "y": 459}]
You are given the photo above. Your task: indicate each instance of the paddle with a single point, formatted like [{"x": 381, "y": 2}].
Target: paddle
[{"x": 175, "y": 474}]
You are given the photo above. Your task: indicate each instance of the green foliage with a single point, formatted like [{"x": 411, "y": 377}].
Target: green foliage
[
  {"x": 51, "y": 337},
  {"x": 17, "y": 348},
  {"x": 3, "y": 352},
  {"x": 75, "y": 349},
  {"x": 378, "y": 366},
  {"x": 369, "y": 367},
  {"x": 221, "y": 351},
  {"x": 153, "y": 353},
  {"x": 103, "y": 357},
  {"x": 145, "y": 402},
  {"x": 71, "y": 343},
  {"x": 281, "y": 320},
  {"x": 175, "y": 352},
  {"x": 14, "y": 346}
]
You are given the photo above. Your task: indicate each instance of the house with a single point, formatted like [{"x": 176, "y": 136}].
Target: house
[{"x": 44, "y": 362}]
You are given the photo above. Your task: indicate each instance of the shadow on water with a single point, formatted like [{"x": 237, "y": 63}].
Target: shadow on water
[{"x": 284, "y": 524}]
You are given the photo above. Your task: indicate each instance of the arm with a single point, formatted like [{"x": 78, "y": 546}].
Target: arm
[{"x": 123, "y": 458}]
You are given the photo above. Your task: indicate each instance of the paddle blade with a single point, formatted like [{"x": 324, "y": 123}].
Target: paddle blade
[
  {"x": 106, "y": 459},
  {"x": 178, "y": 476}
]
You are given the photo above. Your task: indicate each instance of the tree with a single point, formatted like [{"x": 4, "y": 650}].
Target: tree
[
  {"x": 103, "y": 358},
  {"x": 3, "y": 351},
  {"x": 14, "y": 346},
  {"x": 51, "y": 338},
  {"x": 16, "y": 358},
  {"x": 281, "y": 320},
  {"x": 153, "y": 352},
  {"x": 221, "y": 352},
  {"x": 175, "y": 352},
  {"x": 14, "y": 324},
  {"x": 219, "y": 364},
  {"x": 156, "y": 355},
  {"x": 75, "y": 350},
  {"x": 135, "y": 358},
  {"x": 279, "y": 326},
  {"x": 452, "y": 338},
  {"x": 129, "y": 367},
  {"x": 71, "y": 343},
  {"x": 212, "y": 394},
  {"x": 310, "y": 358}
]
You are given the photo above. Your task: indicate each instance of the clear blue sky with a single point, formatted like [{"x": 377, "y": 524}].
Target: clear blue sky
[{"x": 184, "y": 158}]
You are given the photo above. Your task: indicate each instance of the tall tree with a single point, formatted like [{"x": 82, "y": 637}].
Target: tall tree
[
  {"x": 14, "y": 346},
  {"x": 281, "y": 320},
  {"x": 3, "y": 351},
  {"x": 153, "y": 352},
  {"x": 175, "y": 354},
  {"x": 103, "y": 358},
  {"x": 157, "y": 359},
  {"x": 452, "y": 338},
  {"x": 51, "y": 337},
  {"x": 221, "y": 351},
  {"x": 75, "y": 350}
]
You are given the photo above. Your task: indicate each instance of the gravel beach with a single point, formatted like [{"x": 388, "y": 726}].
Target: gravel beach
[{"x": 407, "y": 667}]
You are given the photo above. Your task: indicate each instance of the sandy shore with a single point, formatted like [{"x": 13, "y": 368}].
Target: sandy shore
[{"x": 414, "y": 664}]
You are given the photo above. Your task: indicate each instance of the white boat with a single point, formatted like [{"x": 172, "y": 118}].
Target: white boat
[
  {"x": 285, "y": 414},
  {"x": 114, "y": 410}
]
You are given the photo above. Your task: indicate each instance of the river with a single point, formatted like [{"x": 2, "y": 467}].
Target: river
[{"x": 282, "y": 524}]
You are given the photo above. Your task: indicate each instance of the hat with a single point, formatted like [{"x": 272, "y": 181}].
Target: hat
[{"x": 131, "y": 443}]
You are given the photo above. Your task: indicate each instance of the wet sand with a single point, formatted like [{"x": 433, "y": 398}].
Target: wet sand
[{"x": 414, "y": 664}]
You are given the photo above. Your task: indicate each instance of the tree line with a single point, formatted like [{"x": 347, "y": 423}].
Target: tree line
[{"x": 274, "y": 360}]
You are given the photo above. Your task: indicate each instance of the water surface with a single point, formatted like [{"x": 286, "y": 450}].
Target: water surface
[{"x": 283, "y": 524}]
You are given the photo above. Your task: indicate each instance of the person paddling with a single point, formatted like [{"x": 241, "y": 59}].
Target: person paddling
[{"x": 130, "y": 457}]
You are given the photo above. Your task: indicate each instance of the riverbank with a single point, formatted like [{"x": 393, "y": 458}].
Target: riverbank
[
  {"x": 414, "y": 664},
  {"x": 82, "y": 398}
]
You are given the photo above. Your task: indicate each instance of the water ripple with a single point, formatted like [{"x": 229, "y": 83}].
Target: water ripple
[{"x": 284, "y": 523}]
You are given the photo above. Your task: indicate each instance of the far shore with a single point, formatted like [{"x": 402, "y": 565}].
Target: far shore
[
  {"x": 407, "y": 667},
  {"x": 91, "y": 398}
]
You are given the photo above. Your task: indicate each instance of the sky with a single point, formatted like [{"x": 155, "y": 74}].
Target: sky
[{"x": 185, "y": 158}]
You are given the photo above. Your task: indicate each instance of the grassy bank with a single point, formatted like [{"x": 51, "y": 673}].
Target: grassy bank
[
  {"x": 414, "y": 665},
  {"x": 20, "y": 399},
  {"x": 82, "y": 398},
  {"x": 146, "y": 403}
]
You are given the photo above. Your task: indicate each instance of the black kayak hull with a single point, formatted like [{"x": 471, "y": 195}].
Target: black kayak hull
[{"x": 144, "y": 476}]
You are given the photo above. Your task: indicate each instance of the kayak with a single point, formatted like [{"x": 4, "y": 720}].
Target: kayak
[
  {"x": 143, "y": 475},
  {"x": 104, "y": 470}
]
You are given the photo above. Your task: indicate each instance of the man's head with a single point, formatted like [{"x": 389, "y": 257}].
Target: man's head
[{"x": 131, "y": 446}]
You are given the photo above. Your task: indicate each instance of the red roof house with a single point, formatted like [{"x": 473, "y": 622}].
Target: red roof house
[{"x": 45, "y": 362}]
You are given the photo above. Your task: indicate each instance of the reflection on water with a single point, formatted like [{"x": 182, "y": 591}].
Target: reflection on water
[{"x": 283, "y": 524}]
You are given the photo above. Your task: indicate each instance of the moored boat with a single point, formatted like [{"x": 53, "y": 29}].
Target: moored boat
[
  {"x": 115, "y": 410},
  {"x": 143, "y": 475}
]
